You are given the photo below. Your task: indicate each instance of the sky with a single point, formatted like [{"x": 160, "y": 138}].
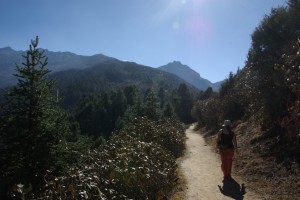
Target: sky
[{"x": 210, "y": 36}]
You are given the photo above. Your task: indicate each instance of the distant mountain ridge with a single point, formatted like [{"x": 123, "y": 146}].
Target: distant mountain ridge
[
  {"x": 57, "y": 61},
  {"x": 108, "y": 76},
  {"x": 61, "y": 61},
  {"x": 189, "y": 75},
  {"x": 77, "y": 75}
]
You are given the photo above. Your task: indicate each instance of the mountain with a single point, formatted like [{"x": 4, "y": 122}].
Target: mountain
[
  {"x": 78, "y": 75},
  {"x": 57, "y": 61},
  {"x": 109, "y": 75},
  {"x": 189, "y": 75},
  {"x": 8, "y": 60}
]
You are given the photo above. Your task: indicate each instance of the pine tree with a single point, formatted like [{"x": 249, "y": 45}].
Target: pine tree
[
  {"x": 168, "y": 112},
  {"x": 183, "y": 103},
  {"x": 161, "y": 95},
  {"x": 150, "y": 107},
  {"x": 31, "y": 123}
]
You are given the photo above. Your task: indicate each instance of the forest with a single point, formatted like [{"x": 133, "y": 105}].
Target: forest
[
  {"x": 100, "y": 146},
  {"x": 122, "y": 142},
  {"x": 267, "y": 88},
  {"x": 263, "y": 100}
]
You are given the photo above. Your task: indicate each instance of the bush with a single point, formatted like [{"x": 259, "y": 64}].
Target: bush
[
  {"x": 168, "y": 133},
  {"x": 138, "y": 162},
  {"x": 207, "y": 112}
]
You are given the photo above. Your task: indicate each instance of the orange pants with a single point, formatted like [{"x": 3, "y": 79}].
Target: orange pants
[{"x": 226, "y": 158}]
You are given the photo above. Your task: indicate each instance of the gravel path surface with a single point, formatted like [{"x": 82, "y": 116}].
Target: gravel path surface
[{"x": 204, "y": 179}]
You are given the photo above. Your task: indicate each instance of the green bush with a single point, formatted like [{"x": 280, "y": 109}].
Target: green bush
[
  {"x": 168, "y": 133},
  {"x": 138, "y": 162}
]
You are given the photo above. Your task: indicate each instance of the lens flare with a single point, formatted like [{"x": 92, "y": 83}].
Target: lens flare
[{"x": 198, "y": 29}]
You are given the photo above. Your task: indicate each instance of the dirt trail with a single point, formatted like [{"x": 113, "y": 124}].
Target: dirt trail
[{"x": 204, "y": 179}]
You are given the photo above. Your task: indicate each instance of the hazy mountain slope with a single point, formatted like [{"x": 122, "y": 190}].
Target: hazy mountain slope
[
  {"x": 216, "y": 86},
  {"x": 111, "y": 74},
  {"x": 58, "y": 61},
  {"x": 189, "y": 75},
  {"x": 77, "y": 75},
  {"x": 8, "y": 60}
]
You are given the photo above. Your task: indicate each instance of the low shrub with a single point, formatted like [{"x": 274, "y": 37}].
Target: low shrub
[
  {"x": 168, "y": 133},
  {"x": 138, "y": 162}
]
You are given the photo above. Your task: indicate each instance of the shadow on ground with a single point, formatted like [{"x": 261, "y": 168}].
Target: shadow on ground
[{"x": 233, "y": 189}]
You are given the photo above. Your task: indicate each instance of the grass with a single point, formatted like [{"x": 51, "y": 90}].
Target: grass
[{"x": 180, "y": 189}]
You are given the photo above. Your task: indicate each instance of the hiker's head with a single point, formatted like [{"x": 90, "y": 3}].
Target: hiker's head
[{"x": 227, "y": 123}]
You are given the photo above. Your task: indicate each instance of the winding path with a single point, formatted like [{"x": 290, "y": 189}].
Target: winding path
[{"x": 204, "y": 179}]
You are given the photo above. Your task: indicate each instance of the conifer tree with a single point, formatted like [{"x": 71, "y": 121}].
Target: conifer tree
[
  {"x": 183, "y": 103},
  {"x": 168, "y": 112},
  {"x": 161, "y": 95},
  {"x": 151, "y": 108},
  {"x": 31, "y": 123}
]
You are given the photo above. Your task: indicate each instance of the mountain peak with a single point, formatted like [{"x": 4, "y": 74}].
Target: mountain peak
[
  {"x": 176, "y": 62},
  {"x": 178, "y": 69},
  {"x": 186, "y": 73},
  {"x": 6, "y": 49}
]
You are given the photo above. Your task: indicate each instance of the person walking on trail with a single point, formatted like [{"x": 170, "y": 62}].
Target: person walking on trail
[{"x": 226, "y": 144}]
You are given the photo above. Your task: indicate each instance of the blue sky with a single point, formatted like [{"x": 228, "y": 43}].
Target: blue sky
[{"x": 210, "y": 36}]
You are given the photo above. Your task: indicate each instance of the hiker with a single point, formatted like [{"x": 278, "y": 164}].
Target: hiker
[{"x": 226, "y": 144}]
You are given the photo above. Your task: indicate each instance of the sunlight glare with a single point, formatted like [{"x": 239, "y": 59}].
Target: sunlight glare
[
  {"x": 175, "y": 25},
  {"x": 198, "y": 30}
]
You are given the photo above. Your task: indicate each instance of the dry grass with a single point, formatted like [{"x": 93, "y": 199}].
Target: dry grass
[
  {"x": 256, "y": 166},
  {"x": 180, "y": 189}
]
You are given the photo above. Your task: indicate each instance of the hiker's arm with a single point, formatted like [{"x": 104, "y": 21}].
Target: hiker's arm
[{"x": 235, "y": 143}]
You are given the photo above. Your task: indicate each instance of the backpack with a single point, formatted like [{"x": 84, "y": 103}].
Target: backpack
[{"x": 226, "y": 141}]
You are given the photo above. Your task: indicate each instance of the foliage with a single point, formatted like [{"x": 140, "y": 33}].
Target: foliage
[
  {"x": 150, "y": 105},
  {"x": 136, "y": 163},
  {"x": 169, "y": 133},
  {"x": 207, "y": 112},
  {"x": 168, "y": 112},
  {"x": 232, "y": 99},
  {"x": 269, "y": 40},
  {"x": 183, "y": 103},
  {"x": 211, "y": 109},
  {"x": 265, "y": 91},
  {"x": 32, "y": 124},
  {"x": 262, "y": 89},
  {"x": 97, "y": 115},
  {"x": 227, "y": 86},
  {"x": 206, "y": 94},
  {"x": 161, "y": 96},
  {"x": 291, "y": 70},
  {"x": 132, "y": 95},
  {"x": 106, "y": 76}
]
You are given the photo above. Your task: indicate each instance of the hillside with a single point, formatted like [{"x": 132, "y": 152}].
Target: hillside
[
  {"x": 189, "y": 75},
  {"x": 261, "y": 164},
  {"x": 111, "y": 74},
  {"x": 77, "y": 75},
  {"x": 46, "y": 149},
  {"x": 61, "y": 61},
  {"x": 58, "y": 61},
  {"x": 262, "y": 99}
]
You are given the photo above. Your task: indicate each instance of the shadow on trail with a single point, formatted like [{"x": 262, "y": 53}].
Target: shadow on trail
[{"x": 233, "y": 189}]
